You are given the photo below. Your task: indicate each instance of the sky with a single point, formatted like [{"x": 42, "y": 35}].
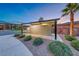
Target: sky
[{"x": 29, "y": 12}]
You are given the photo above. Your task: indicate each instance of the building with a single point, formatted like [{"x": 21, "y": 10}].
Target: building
[
  {"x": 5, "y": 25},
  {"x": 41, "y": 27},
  {"x": 65, "y": 28}
]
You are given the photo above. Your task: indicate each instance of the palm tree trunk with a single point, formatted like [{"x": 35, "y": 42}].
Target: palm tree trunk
[{"x": 71, "y": 23}]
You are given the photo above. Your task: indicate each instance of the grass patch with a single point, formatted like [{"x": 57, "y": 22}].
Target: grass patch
[
  {"x": 21, "y": 36},
  {"x": 16, "y": 35},
  {"x": 59, "y": 49},
  {"x": 70, "y": 38},
  {"x": 75, "y": 44},
  {"x": 27, "y": 38},
  {"x": 38, "y": 41}
]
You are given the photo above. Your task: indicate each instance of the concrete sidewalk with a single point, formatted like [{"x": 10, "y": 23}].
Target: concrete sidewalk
[
  {"x": 52, "y": 37},
  {"x": 10, "y": 46}
]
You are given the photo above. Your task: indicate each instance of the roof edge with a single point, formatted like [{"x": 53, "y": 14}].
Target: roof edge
[{"x": 43, "y": 21}]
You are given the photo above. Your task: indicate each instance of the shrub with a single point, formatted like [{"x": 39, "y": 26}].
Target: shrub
[
  {"x": 75, "y": 44},
  {"x": 27, "y": 38},
  {"x": 16, "y": 35},
  {"x": 21, "y": 36},
  {"x": 38, "y": 41},
  {"x": 59, "y": 49},
  {"x": 69, "y": 38}
]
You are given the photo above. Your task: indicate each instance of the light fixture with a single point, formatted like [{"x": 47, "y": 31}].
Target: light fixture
[{"x": 44, "y": 24}]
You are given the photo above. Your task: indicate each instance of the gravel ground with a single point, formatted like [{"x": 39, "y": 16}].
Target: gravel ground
[{"x": 41, "y": 50}]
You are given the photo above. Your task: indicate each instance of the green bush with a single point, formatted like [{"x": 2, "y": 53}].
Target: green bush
[
  {"x": 27, "y": 38},
  {"x": 75, "y": 44},
  {"x": 69, "y": 38},
  {"x": 59, "y": 49},
  {"x": 21, "y": 36},
  {"x": 38, "y": 41},
  {"x": 16, "y": 35}
]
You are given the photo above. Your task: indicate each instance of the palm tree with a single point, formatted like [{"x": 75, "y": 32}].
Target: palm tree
[{"x": 71, "y": 9}]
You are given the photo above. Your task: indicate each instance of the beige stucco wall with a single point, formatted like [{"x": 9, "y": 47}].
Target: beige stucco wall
[{"x": 40, "y": 29}]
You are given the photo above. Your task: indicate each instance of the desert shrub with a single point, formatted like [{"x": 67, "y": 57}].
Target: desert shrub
[
  {"x": 21, "y": 36},
  {"x": 59, "y": 49},
  {"x": 27, "y": 38},
  {"x": 69, "y": 38},
  {"x": 16, "y": 35},
  {"x": 75, "y": 44},
  {"x": 38, "y": 41}
]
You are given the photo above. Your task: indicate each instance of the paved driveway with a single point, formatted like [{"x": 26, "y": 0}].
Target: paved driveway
[
  {"x": 6, "y": 32},
  {"x": 10, "y": 46}
]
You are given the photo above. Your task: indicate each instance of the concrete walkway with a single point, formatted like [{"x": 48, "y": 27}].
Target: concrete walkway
[
  {"x": 77, "y": 37},
  {"x": 52, "y": 37},
  {"x": 10, "y": 46}
]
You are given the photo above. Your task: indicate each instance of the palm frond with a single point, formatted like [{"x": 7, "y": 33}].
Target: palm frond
[
  {"x": 72, "y": 6},
  {"x": 65, "y": 10},
  {"x": 76, "y": 8},
  {"x": 68, "y": 5},
  {"x": 64, "y": 14}
]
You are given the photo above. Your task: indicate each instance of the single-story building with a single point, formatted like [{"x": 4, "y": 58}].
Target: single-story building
[
  {"x": 4, "y": 25},
  {"x": 64, "y": 28},
  {"x": 41, "y": 27}
]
